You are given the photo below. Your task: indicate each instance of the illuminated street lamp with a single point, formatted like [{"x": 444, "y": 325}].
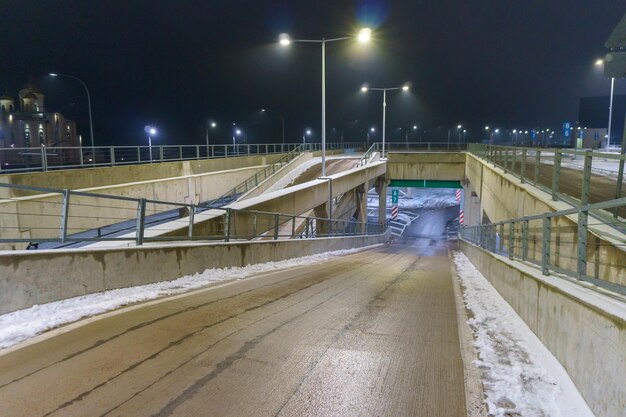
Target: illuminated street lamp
[
  {"x": 150, "y": 131},
  {"x": 306, "y": 133},
  {"x": 209, "y": 124},
  {"x": 285, "y": 40},
  {"x": 366, "y": 88},
  {"x": 54, "y": 74},
  {"x": 600, "y": 62},
  {"x": 236, "y": 132}
]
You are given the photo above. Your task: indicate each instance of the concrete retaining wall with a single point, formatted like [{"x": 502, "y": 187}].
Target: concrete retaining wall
[
  {"x": 426, "y": 166},
  {"x": 75, "y": 179},
  {"x": 581, "y": 328},
  {"x": 35, "y": 277}
]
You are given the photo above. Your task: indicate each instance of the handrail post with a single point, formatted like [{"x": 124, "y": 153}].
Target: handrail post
[
  {"x": 44, "y": 159},
  {"x": 161, "y": 153},
  {"x": 547, "y": 235},
  {"x": 112, "y": 152},
  {"x": 523, "y": 166},
  {"x": 65, "y": 214},
  {"x": 511, "y": 240},
  {"x": 141, "y": 220},
  {"x": 80, "y": 156},
  {"x": 556, "y": 175},
  {"x": 197, "y": 152},
  {"x": 227, "y": 225},
  {"x": 583, "y": 217},
  {"x": 138, "y": 154},
  {"x": 293, "y": 227},
  {"x": 276, "y": 220},
  {"x": 620, "y": 181},
  {"x": 537, "y": 166},
  {"x": 254, "y": 225},
  {"x": 192, "y": 212},
  {"x": 525, "y": 240}
]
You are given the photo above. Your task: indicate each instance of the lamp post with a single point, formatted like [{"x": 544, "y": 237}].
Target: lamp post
[
  {"x": 282, "y": 120},
  {"x": 150, "y": 131},
  {"x": 54, "y": 74},
  {"x": 236, "y": 132},
  {"x": 608, "y": 132},
  {"x": 209, "y": 125},
  {"x": 366, "y": 88},
  {"x": 370, "y": 130},
  {"x": 306, "y": 133},
  {"x": 285, "y": 40}
]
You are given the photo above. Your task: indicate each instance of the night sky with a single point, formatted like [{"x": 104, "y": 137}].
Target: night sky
[{"x": 176, "y": 64}]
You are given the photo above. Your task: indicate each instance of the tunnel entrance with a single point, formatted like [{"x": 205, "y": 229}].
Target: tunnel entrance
[{"x": 425, "y": 209}]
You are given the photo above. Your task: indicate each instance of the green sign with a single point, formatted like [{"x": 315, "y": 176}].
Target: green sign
[{"x": 394, "y": 196}]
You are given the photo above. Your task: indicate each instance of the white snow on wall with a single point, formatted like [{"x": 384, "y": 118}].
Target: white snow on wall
[
  {"x": 24, "y": 324},
  {"x": 520, "y": 375}
]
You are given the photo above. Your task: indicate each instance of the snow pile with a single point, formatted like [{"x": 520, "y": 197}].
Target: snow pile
[
  {"x": 23, "y": 324},
  {"x": 520, "y": 375},
  {"x": 294, "y": 174}
]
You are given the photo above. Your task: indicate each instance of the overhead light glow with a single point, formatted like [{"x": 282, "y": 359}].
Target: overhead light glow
[
  {"x": 405, "y": 87},
  {"x": 599, "y": 62},
  {"x": 372, "y": 130},
  {"x": 364, "y": 89},
  {"x": 284, "y": 39},
  {"x": 414, "y": 127},
  {"x": 486, "y": 127},
  {"x": 213, "y": 124},
  {"x": 364, "y": 35},
  {"x": 53, "y": 74},
  {"x": 459, "y": 126}
]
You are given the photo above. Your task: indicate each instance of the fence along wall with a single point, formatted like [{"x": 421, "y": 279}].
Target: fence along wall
[{"x": 503, "y": 197}]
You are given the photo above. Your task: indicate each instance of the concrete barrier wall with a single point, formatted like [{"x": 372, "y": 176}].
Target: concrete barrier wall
[
  {"x": 75, "y": 179},
  {"x": 582, "y": 329},
  {"x": 504, "y": 197},
  {"x": 426, "y": 166},
  {"x": 35, "y": 277}
]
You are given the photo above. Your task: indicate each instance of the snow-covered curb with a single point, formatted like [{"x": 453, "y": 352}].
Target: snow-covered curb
[
  {"x": 520, "y": 375},
  {"x": 20, "y": 325}
]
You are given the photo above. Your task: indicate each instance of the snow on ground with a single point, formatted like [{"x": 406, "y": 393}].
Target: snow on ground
[
  {"x": 24, "y": 324},
  {"x": 520, "y": 375},
  {"x": 301, "y": 169}
]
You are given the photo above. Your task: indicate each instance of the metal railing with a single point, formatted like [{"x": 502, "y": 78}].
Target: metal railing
[
  {"x": 66, "y": 216},
  {"x": 576, "y": 177},
  {"x": 555, "y": 242},
  {"x": 47, "y": 158},
  {"x": 254, "y": 180},
  {"x": 419, "y": 146}
]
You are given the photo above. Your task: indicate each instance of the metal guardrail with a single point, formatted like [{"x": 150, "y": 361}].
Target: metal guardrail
[
  {"x": 601, "y": 174},
  {"x": 74, "y": 216},
  {"x": 419, "y": 146},
  {"x": 13, "y": 160},
  {"x": 545, "y": 240},
  {"x": 254, "y": 180}
]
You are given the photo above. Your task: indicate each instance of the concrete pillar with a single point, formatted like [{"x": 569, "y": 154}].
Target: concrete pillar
[
  {"x": 381, "y": 189},
  {"x": 471, "y": 206},
  {"x": 322, "y": 226},
  {"x": 361, "y": 207}
]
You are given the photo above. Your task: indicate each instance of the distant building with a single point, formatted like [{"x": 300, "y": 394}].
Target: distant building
[
  {"x": 27, "y": 124},
  {"x": 593, "y": 114}
]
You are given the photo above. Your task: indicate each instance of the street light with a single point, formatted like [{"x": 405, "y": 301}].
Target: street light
[
  {"x": 306, "y": 133},
  {"x": 150, "y": 131},
  {"x": 367, "y": 88},
  {"x": 209, "y": 124},
  {"x": 600, "y": 62},
  {"x": 282, "y": 120},
  {"x": 285, "y": 40},
  {"x": 236, "y": 132},
  {"x": 54, "y": 74}
]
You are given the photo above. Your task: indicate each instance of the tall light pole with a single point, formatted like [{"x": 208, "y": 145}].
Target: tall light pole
[
  {"x": 608, "y": 132},
  {"x": 54, "y": 74},
  {"x": 209, "y": 124},
  {"x": 366, "y": 88},
  {"x": 306, "y": 133},
  {"x": 285, "y": 40},
  {"x": 282, "y": 120},
  {"x": 150, "y": 131},
  {"x": 236, "y": 132}
]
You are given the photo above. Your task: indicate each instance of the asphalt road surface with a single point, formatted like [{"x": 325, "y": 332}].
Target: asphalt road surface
[
  {"x": 369, "y": 334},
  {"x": 432, "y": 223}
]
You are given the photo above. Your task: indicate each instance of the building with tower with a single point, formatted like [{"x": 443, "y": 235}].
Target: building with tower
[{"x": 25, "y": 124}]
